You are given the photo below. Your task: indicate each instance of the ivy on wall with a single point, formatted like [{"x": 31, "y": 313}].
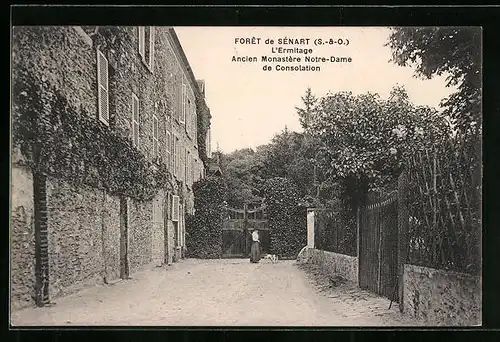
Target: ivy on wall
[
  {"x": 203, "y": 117},
  {"x": 69, "y": 143},
  {"x": 286, "y": 217},
  {"x": 204, "y": 228}
]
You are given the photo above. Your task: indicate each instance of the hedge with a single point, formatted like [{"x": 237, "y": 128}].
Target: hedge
[
  {"x": 286, "y": 217},
  {"x": 204, "y": 228}
]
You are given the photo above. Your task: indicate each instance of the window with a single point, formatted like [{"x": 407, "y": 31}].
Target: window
[
  {"x": 168, "y": 204},
  {"x": 102, "y": 86},
  {"x": 175, "y": 208},
  {"x": 178, "y": 98},
  {"x": 188, "y": 116},
  {"x": 175, "y": 149},
  {"x": 184, "y": 103},
  {"x": 182, "y": 155},
  {"x": 135, "y": 120},
  {"x": 194, "y": 166},
  {"x": 172, "y": 152},
  {"x": 168, "y": 149},
  {"x": 195, "y": 124},
  {"x": 146, "y": 45},
  {"x": 186, "y": 172},
  {"x": 155, "y": 136}
]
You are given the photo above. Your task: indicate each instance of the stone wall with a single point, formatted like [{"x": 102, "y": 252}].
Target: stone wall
[
  {"x": 111, "y": 242},
  {"x": 335, "y": 264},
  {"x": 140, "y": 236},
  {"x": 83, "y": 222},
  {"x": 22, "y": 239},
  {"x": 442, "y": 298},
  {"x": 83, "y": 228},
  {"x": 74, "y": 225}
]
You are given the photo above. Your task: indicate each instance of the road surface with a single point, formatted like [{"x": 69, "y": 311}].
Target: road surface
[{"x": 228, "y": 292}]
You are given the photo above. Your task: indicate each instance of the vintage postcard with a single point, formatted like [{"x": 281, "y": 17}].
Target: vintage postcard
[{"x": 246, "y": 176}]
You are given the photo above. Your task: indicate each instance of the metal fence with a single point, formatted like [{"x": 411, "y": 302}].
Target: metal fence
[
  {"x": 378, "y": 249},
  {"x": 335, "y": 230}
]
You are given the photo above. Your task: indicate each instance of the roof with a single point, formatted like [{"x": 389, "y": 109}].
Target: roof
[
  {"x": 214, "y": 168},
  {"x": 184, "y": 59}
]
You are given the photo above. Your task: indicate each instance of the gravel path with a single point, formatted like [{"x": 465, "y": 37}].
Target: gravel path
[{"x": 219, "y": 292}]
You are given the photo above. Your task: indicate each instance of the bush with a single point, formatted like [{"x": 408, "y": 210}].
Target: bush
[
  {"x": 287, "y": 219},
  {"x": 204, "y": 228}
]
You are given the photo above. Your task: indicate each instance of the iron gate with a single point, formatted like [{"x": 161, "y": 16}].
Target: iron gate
[
  {"x": 236, "y": 229},
  {"x": 378, "y": 249}
]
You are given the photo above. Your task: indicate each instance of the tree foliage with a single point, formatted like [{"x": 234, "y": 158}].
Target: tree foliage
[
  {"x": 309, "y": 101},
  {"x": 364, "y": 139},
  {"x": 455, "y": 52}
]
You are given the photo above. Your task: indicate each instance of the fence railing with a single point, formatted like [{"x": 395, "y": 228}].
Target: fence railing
[
  {"x": 335, "y": 230},
  {"x": 439, "y": 211},
  {"x": 444, "y": 204}
]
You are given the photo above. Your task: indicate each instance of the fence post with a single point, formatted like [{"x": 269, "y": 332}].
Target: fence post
[
  {"x": 310, "y": 227},
  {"x": 403, "y": 220}
]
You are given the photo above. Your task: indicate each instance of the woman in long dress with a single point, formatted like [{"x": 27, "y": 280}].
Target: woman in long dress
[{"x": 255, "y": 251}]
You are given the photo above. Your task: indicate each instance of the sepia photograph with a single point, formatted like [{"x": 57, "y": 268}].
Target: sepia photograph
[{"x": 246, "y": 176}]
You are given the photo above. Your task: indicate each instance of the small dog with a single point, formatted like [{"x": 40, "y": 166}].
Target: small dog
[{"x": 272, "y": 257}]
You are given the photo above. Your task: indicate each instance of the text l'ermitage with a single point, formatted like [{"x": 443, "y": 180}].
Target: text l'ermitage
[{"x": 294, "y": 54}]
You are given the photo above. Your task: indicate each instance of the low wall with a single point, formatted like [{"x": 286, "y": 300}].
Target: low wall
[
  {"x": 442, "y": 298},
  {"x": 336, "y": 264}
]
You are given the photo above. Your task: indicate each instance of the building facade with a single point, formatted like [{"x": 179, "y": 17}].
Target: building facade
[{"x": 135, "y": 85}]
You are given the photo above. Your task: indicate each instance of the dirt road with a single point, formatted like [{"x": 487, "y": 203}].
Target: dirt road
[{"x": 218, "y": 292}]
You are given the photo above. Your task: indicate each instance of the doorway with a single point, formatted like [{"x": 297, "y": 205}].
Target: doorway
[{"x": 124, "y": 262}]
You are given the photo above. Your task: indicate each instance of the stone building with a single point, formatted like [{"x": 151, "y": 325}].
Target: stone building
[{"x": 82, "y": 213}]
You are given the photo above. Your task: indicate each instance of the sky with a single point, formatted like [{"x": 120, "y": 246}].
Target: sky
[{"x": 250, "y": 105}]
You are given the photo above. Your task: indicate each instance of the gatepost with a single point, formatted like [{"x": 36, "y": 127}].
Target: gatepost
[{"x": 310, "y": 227}]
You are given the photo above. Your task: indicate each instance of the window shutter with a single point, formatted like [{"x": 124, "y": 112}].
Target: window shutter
[
  {"x": 102, "y": 86},
  {"x": 175, "y": 208},
  {"x": 151, "y": 47},
  {"x": 142, "y": 45}
]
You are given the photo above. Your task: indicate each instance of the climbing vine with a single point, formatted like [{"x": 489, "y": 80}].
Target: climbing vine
[
  {"x": 204, "y": 228},
  {"x": 71, "y": 144},
  {"x": 287, "y": 218},
  {"x": 203, "y": 117}
]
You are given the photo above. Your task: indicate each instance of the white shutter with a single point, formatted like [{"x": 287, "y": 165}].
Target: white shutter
[
  {"x": 142, "y": 45},
  {"x": 102, "y": 86},
  {"x": 175, "y": 208}
]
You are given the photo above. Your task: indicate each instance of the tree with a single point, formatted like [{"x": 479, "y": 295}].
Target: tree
[
  {"x": 364, "y": 140},
  {"x": 445, "y": 50},
  {"x": 238, "y": 172},
  {"x": 305, "y": 114}
]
